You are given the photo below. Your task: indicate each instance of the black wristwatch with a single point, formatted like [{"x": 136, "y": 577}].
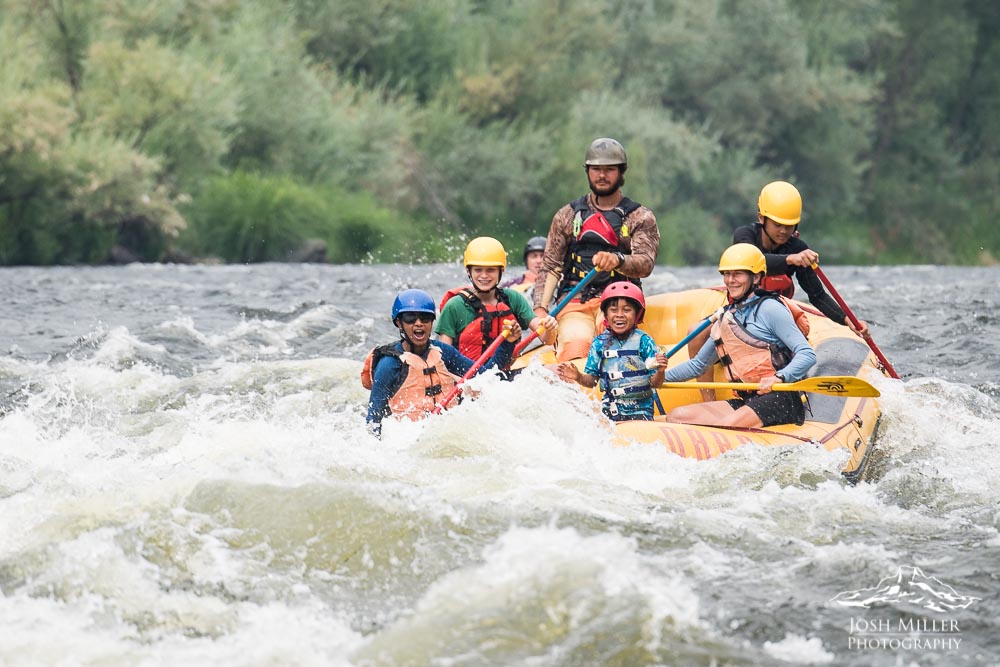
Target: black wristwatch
[{"x": 621, "y": 259}]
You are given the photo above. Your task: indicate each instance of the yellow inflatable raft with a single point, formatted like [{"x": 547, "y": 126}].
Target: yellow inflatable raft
[{"x": 834, "y": 422}]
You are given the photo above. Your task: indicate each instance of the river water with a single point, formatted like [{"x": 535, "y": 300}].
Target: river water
[{"x": 185, "y": 479}]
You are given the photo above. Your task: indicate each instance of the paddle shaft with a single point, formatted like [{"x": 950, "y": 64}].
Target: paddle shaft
[
  {"x": 469, "y": 373},
  {"x": 854, "y": 320},
  {"x": 833, "y": 385},
  {"x": 555, "y": 311},
  {"x": 684, "y": 341},
  {"x": 707, "y": 322}
]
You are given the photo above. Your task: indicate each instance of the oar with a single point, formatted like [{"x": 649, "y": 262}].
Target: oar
[
  {"x": 456, "y": 390},
  {"x": 555, "y": 311},
  {"x": 854, "y": 320},
  {"x": 846, "y": 385},
  {"x": 707, "y": 322}
]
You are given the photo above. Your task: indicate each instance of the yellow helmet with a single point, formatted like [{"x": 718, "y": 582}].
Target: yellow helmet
[
  {"x": 781, "y": 202},
  {"x": 485, "y": 251},
  {"x": 743, "y": 257}
]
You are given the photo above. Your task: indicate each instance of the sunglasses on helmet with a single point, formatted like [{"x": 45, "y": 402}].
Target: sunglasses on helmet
[{"x": 411, "y": 318}]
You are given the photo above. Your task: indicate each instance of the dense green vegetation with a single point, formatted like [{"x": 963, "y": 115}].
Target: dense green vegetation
[{"x": 394, "y": 129}]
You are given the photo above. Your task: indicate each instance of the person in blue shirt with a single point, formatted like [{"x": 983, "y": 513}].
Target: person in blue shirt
[
  {"x": 410, "y": 377},
  {"x": 618, "y": 357},
  {"x": 758, "y": 340}
]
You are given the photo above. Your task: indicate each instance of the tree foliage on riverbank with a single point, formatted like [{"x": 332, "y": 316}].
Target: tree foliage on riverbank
[{"x": 393, "y": 129}]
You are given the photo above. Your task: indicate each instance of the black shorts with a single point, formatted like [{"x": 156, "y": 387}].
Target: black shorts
[{"x": 777, "y": 407}]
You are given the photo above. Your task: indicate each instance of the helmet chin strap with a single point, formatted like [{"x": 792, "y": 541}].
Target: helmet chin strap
[
  {"x": 751, "y": 289},
  {"x": 763, "y": 228},
  {"x": 406, "y": 339},
  {"x": 475, "y": 287},
  {"x": 403, "y": 337},
  {"x": 770, "y": 238}
]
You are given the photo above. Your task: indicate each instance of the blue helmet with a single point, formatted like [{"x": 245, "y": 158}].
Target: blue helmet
[{"x": 412, "y": 301}]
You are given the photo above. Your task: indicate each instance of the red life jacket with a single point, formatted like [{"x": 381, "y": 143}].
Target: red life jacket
[
  {"x": 486, "y": 326},
  {"x": 782, "y": 284},
  {"x": 749, "y": 359},
  {"x": 593, "y": 232},
  {"x": 425, "y": 381}
]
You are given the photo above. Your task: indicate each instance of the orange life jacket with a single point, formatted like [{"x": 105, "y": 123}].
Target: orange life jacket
[
  {"x": 426, "y": 380},
  {"x": 526, "y": 283},
  {"x": 749, "y": 359}
]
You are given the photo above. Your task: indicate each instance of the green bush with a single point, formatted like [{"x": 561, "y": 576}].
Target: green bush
[{"x": 246, "y": 217}]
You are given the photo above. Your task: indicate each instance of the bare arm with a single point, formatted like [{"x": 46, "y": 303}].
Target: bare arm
[
  {"x": 570, "y": 373},
  {"x": 555, "y": 253}
]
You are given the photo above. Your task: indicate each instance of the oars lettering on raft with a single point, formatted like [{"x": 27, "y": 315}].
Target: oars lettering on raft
[
  {"x": 456, "y": 390},
  {"x": 846, "y": 385},
  {"x": 854, "y": 320},
  {"x": 555, "y": 311}
]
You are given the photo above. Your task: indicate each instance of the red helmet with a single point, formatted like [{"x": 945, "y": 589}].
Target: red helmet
[{"x": 626, "y": 290}]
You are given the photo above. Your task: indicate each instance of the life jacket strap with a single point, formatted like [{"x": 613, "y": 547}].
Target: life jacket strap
[
  {"x": 610, "y": 354},
  {"x": 632, "y": 392},
  {"x": 621, "y": 375}
]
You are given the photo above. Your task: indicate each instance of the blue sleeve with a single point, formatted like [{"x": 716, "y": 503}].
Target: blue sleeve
[
  {"x": 593, "y": 365},
  {"x": 502, "y": 358},
  {"x": 782, "y": 326},
  {"x": 386, "y": 381},
  {"x": 459, "y": 364},
  {"x": 456, "y": 362},
  {"x": 692, "y": 368}
]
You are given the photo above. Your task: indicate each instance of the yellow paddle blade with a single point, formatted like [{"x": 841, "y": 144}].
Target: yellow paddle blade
[{"x": 840, "y": 385}]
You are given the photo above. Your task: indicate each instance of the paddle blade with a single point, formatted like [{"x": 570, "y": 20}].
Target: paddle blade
[{"x": 846, "y": 385}]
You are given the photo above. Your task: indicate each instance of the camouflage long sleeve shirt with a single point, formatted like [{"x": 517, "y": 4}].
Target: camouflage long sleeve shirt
[{"x": 640, "y": 247}]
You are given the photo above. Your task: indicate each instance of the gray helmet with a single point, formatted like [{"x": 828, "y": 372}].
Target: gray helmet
[
  {"x": 535, "y": 243},
  {"x": 606, "y": 151}
]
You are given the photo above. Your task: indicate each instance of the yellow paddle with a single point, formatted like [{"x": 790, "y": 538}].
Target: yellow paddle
[{"x": 845, "y": 385}]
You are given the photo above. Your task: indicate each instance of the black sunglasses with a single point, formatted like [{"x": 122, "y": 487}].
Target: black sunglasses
[{"x": 411, "y": 318}]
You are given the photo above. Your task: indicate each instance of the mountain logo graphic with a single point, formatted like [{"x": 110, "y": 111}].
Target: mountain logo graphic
[{"x": 909, "y": 586}]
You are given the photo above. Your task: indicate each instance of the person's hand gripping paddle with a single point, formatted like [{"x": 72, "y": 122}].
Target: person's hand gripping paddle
[
  {"x": 854, "y": 320},
  {"x": 555, "y": 311},
  {"x": 487, "y": 353}
]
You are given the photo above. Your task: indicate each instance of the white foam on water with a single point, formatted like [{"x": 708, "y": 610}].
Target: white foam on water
[
  {"x": 119, "y": 345},
  {"x": 87, "y": 631},
  {"x": 185, "y": 327},
  {"x": 547, "y": 586},
  {"x": 99, "y": 534},
  {"x": 941, "y": 438},
  {"x": 799, "y": 650}
]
